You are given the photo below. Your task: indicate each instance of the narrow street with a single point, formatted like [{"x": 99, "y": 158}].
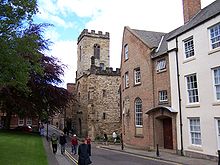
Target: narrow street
[{"x": 102, "y": 156}]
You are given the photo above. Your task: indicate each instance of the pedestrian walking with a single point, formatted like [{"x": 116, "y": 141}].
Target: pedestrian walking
[
  {"x": 54, "y": 140},
  {"x": 83, "y": 152},
  {"x": 74, "y": 143},
  {"x": 114, "y": 135},
  {"x": 41, "y": 129},
  {"x": 89, "y": 144},
  {"x": 105, "y": 139},
  {"x": 62, "y": 143}
]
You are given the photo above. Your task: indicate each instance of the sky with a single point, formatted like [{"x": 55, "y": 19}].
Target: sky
[{"x": 70, "y": 17}]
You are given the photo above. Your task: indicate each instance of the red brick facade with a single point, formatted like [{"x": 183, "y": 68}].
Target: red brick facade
[{"x": 155, "y": 114}]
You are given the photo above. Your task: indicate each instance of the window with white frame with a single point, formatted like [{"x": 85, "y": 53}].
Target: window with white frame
[
  {"x": 137, "y": 76},
  {"x": 216, "y": 73},
  {"x": 163, "y": 96},
  {"x": 189, "y": 47},
  {"x": 126, "y": 80},
  {"x": 126, "y": 51},
  {"x": 29, "y": 121},
  {"x": 192, "y": 88},
  {"x": 161, "y": 65},
  {"x": 138, "y": 113},
  {"x": 195, "y": 131},
  {"x": 215, "y": 36},
  {"x": 20, "y": 121},
  {"x": 218, "y": 131}
]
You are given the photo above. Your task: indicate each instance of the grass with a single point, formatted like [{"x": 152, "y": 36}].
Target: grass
[{"x": 18, "y": 148}]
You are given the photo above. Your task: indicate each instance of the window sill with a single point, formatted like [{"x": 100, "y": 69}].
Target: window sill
[
  {"x": 139, "y": 136},
  {"x": 137, "y": 84},
  {"x": 217, "y": 103},
  {"x": 161, "y": 71},
  {"x": 195, "y": 147},
  {"x": 163, "y": 102},
  {"x": 189, "y": 59},
  {"x": 214, "y": 51},
  {"x": 196, "y": 105}
]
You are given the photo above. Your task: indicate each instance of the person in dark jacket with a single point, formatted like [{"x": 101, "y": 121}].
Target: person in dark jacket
[
  {"x": 62, "y": 143},
  {"x": 54, "y": 140},
  {"x": 83, "y": 152}
]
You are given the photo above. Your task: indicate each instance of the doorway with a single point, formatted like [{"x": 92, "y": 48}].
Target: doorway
[{"x": 167, "y": 133}]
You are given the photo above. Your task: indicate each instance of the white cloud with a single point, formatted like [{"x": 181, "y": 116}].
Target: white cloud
[
  {"x": 65, "y": 51},
  {"x": 110, "y": 16}
]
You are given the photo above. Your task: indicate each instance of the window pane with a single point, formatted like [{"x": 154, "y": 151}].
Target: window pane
[
  {"x": 195, "y": 131},
  {"x": 215, "y": 36},
  {"x": 189, "y": 48},
  {"x": 138, "y": 112},
  {"x": 192, "y": 88}
]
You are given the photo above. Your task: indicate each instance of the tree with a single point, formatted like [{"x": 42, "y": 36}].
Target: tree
[
  {"x": 28, "y": 77},
  {"x": 43, "y": 94},
  {"x": 20, "y": 50}
]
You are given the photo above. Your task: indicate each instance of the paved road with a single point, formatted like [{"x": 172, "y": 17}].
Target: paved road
[{"x": 101, "y": 156}]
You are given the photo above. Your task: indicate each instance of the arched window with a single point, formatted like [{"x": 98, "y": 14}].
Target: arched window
[
  {"x": 138, "y": 113},
  {"x": 97, "y": 51}
]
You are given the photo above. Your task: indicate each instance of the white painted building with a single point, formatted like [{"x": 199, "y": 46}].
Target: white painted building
[{"x": 194, "y": 55}]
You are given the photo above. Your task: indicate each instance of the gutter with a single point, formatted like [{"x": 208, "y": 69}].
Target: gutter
[{"x": 179, "y": 96}]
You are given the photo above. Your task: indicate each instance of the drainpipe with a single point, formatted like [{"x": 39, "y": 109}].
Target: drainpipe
[{"x": 179, "y": 96}]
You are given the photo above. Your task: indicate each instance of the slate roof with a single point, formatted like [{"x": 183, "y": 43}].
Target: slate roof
[
  {"x": 204, "y": 15},
  {"x": 152, "y": 40}
]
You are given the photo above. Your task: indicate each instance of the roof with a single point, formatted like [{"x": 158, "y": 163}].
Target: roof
[
  {"x": 204, "y": 15},
  {"x": 152, "y": 39}
]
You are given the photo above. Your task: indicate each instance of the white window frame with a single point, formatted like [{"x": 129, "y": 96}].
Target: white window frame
[
  {"x": 126, "y": 80},
  {"x": 163, "y": 96},
  {"x": 195, "y": 131},
  {"x": 216, "y": 82},
  {"x": 137, "y": 76},
  {"x": 217, "y": 121},
  {"x": 161, "y": 65},
  {"x": 20, "y": 121},
  {"x": 28, "y": 121},
  {"x": 126, "y": 51},
  {"x": 192, "y": 89},
  {"x": 138, "y": 112},
  {"x": 189, "y": 50},
  {"x": 214, "y": 34}
]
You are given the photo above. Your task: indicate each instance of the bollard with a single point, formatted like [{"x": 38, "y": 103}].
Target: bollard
[
  {"x": 218, "y": 157},
  {"x": 157, "y": 152},
  {"x": 122, "y": 144}
]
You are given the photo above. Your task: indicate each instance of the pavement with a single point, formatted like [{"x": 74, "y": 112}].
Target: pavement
[
  {"x": 68, "y": 159},
  {"x": 59, "y": 159},
  {"x": 163, "y": 155}
]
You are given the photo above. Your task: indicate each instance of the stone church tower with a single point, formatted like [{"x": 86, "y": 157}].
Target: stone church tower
[{"x": 97, "y": 87}]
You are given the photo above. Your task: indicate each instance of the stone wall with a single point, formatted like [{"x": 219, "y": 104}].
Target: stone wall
[{"x": 85, "y": 50}]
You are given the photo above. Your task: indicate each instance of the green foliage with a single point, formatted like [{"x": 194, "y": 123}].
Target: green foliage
[
  {"x": 19, "y": 43},
  {"x": 28, "y": 77}
]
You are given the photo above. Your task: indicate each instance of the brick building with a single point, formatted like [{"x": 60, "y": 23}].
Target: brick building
[
  {"x": 148, "y": 119},
  {"x": 97, "y": 87}
]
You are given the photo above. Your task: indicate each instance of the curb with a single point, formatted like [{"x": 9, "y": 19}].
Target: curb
[{"x": 152, "y": 157}]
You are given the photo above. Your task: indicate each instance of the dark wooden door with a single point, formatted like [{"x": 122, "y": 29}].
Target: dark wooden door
[{"x": 167, "y": 133}]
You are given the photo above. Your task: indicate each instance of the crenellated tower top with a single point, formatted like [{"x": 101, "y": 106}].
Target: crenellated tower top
[{"x": 100, "y": 34}]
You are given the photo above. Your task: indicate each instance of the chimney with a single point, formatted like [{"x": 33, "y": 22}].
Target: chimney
[{"x": 190, "y": 9}]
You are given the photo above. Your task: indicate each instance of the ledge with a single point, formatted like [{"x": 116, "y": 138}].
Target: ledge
[{"x": 193, "y": 105}]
